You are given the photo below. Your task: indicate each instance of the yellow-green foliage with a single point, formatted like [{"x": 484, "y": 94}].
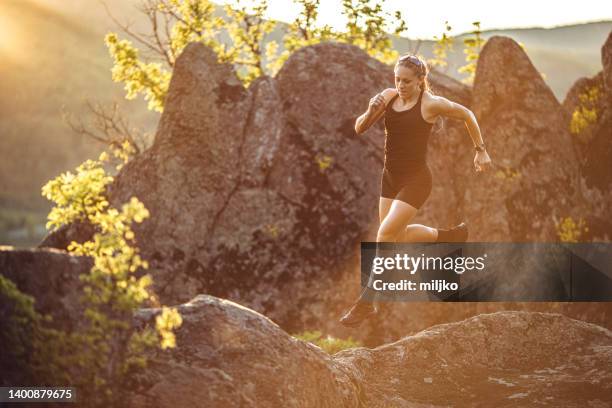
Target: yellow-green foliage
[
  {"x": 273, "y": 230},
  {"x": 329, "y": 344},
  {"x": 570, "y": 230},
  {"x": 247, "y": 27},
  {"x": 324, "y": 162},
  {"x": 168, "y": 320},
  {"x": 441, "y": 47},
  {"x": 77, "y": 196},
  {"x": 150, "y": 79},
  {"x": 507, "y": 174},
  {"x": 107, "y": 348},
  {"x": 194, "y": 21},
  {"x": 473, "y": 45},
  {"x": 301, "y": 32},
  {"x": 585, "y": 113},
  {"x": 122, "y": 153},
  {"x": 367, "y": 26}
]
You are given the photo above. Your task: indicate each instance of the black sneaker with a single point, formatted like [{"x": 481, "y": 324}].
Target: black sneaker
[
  {"x": 358, "y": 313},
  {"x": 460, "y": 232}
]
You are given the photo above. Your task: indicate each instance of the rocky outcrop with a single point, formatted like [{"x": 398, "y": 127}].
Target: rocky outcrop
[
  {"x": 606, "y": 61},
  {"x": 64, "y": 235},
  {"x": 262, "y": 195},
  {"x": 258, "y": 195},
  {"x": 593, "y": 143},
  {"x": 499, "y": 359},
  {"x": 535, "y": 180},
  {"x": 230, "y": 356},
  {"x": 51, "y": 276}
]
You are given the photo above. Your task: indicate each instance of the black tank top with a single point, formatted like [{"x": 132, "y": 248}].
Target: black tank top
[{"x": 406, "y": 137}]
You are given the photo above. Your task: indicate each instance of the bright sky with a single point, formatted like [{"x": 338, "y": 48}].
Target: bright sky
[{"x": 426, "y": 18}]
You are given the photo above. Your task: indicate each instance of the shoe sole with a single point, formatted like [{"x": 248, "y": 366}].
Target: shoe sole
[
  {"x": 466, "y": 232},
  {"x": 359, "y": 322}
]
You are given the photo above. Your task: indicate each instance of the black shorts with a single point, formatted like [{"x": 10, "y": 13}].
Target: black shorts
[{"x": 412, "y": 187}]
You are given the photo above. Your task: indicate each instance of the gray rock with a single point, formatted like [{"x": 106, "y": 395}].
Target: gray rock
[
  {"x": 593, "y": 145},
  {"x": 492, "y": 359},
  {"x": 606, "y": 61},
  {"x": 535, "y": 180},
  {"x": 51, "y": 276},
  {"x": 231, "y": 356}
]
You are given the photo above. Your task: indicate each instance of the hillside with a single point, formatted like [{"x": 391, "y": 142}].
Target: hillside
[
  {"x": 53, "y": 62},
  {"x": 561, "y": 54}
]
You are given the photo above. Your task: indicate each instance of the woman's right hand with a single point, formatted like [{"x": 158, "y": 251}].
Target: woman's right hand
[{"x": 376, "y": 103}]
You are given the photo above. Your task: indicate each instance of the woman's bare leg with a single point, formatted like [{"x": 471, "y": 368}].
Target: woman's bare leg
[
  {"x": 398, "y": 215},
  {"x": 384, "y": 205},
  {"x": 395, "y": 222}
]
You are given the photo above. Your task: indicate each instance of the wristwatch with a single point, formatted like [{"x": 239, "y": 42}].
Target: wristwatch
[{"x": 480, "y": 148}]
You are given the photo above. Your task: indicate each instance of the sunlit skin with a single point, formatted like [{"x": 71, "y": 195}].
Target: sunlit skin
[{"x": 395, "y": 215}]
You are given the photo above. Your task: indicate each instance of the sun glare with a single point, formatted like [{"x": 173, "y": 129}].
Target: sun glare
[{"x": 11, "y": 40}]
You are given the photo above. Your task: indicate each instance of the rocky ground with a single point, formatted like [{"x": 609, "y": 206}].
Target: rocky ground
[{"x": 503, "y": 359}]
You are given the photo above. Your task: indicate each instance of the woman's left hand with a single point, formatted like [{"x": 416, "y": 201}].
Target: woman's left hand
[{"x": 482, "y": 161}]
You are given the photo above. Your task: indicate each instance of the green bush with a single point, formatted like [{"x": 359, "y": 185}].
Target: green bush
[
  {"x": 585, "y": 113},
  {"x": 102, "y": 354},
  {"x": 19, "y": 322},
  {"x": 329, "y": 344}
]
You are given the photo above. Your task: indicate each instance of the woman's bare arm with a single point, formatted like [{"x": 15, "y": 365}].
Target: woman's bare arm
[
  {"x": 376, "y": 110},
  {"x": 366, "y": 120},
  {"x": 443, "y": 107}
]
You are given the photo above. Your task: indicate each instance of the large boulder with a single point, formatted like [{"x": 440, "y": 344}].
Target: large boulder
[
  {"x": 231, "y": 356},
  {"x": 255, "y": 194},
  {"x": 51, "y": 277},
  {"x": 499, "y": 359},
  {"x": 593, "y": 143},
  {"x": 450, "y": 159},
  {"x": 606, "y": 61},
  {"x": 535, "y": 181}
]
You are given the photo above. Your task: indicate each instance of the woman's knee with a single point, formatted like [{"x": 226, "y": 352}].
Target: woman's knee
[{"x": 399, "y": 215}]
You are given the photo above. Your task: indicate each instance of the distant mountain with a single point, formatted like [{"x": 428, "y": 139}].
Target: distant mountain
[{"x": 561, "y": 54}]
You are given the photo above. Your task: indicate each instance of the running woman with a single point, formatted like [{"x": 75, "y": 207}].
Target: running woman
[{"x": 410, "y": 110}]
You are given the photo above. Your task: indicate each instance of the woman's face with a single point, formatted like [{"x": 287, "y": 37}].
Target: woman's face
[{"x": 407, "y": 82}]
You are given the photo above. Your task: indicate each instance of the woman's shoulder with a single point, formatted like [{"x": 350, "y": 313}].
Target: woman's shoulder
[
  {"x": 388, "y": 94},
  {"x": 428, "y": 96},
  {"x": 430, "y": 100}
]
